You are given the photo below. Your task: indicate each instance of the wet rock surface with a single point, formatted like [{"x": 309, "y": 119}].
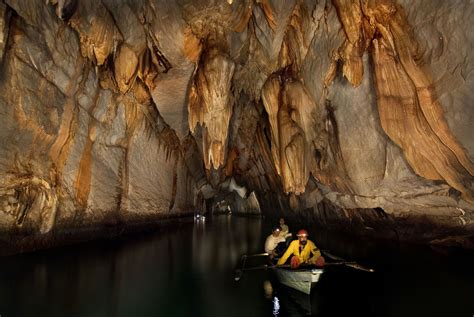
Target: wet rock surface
[{"x": 354, "y": 114}]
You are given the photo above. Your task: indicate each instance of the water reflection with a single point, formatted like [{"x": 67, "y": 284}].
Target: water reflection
[
  {"x": 287, "y": 301},
  {"x": 187, "y": 270},
  {"x": 181, "y": 271},
  {"x": 276, "y": 306},
  {"x": 220, "y": 244}
]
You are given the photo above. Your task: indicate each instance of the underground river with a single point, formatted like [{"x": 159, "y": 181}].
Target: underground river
[{"x": 187, "y": 269}]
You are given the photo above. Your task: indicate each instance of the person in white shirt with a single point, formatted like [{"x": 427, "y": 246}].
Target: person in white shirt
[{"x": 271, "y": 244}]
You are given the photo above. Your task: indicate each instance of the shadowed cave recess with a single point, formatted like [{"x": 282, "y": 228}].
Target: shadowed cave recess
[{"x": 351, "y": 116}]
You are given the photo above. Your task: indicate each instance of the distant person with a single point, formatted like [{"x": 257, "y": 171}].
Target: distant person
[
  {"x": 275, "y": 243},
  {"x": 302, "y": 249},
  {"x": 285, "y": 231}
]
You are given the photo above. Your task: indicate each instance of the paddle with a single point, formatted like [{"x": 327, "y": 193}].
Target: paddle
[
  {"x": 243, "y": 261},
  {"x": 254, "y": 255},
  {"x": 357, "y": 266},
  {"x": 240, "y": 272},
  {"x": 244, "y": 257},
  {"x": 353, "y": 264}
]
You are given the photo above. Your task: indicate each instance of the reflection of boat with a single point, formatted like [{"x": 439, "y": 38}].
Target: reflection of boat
[
  {"x": 293, "y": 302},
  {"x": 302, "y": 280}
]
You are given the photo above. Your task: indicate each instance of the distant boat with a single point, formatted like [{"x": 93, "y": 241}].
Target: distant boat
[
  {"x": 199, "y": 217},
  {"x": 302, "y": 280}
]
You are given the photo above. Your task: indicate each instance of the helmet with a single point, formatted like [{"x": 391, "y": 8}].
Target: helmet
[{"x": 301, "y": 233}]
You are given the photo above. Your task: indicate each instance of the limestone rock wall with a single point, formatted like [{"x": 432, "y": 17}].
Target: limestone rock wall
[
  {"x": 83, "y": 143},
  {"x": 116, "y": 112}
]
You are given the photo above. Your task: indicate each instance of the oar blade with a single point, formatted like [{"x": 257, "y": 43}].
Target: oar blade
[{"x": 360, "y": 267}]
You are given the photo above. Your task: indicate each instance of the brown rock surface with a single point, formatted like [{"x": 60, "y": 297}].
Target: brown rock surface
[{"x": 354, "y": 113}]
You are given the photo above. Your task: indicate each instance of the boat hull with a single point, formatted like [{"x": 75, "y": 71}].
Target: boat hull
[{"x": 302, "y": 280}]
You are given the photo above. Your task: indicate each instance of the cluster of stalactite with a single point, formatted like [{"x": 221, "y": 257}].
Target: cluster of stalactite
[
  {"x": 124, "y": 61},
  {"x": 251, "y": 114},
  {"x": 127, "y": 61},
  {"x": 410, "y": 112},
  {"x": 403, "y": 87},
  {"x": 303, "y": 131}
]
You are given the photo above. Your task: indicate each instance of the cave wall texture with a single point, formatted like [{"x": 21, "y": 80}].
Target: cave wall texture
[{"x": 349, "y": 112}]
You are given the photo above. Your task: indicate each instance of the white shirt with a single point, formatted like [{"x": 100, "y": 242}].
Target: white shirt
[{"x": 272, "y": 242}]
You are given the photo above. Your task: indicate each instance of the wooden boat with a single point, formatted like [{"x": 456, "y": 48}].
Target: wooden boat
[{"x": 302, "y": 280}]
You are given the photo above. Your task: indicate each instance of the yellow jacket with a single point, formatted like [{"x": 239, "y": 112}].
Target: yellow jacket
[{"x": 304, "y": 256}]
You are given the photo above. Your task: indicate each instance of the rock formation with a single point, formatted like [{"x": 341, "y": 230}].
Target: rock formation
[{"x": 355, "y": 114}]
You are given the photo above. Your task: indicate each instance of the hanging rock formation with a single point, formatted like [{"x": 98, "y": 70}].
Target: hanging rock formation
[
  {"x": 210, "y": 104},
  {"x": 354, "y": 114}
]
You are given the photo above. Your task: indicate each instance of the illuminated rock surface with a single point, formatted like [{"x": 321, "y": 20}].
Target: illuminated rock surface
[{"x": 353, "y": 114}]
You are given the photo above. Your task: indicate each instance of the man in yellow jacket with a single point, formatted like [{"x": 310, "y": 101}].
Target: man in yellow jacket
[{"x": 302, "y": 249}]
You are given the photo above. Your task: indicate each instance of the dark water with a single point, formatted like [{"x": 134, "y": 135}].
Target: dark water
[{"x": 188, "y": 270}]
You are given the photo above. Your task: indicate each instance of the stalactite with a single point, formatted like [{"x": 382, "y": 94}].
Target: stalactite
[
  {"x": 409, "y": 111},
  {"x": 296, "y": 42},
  {"x": 271, "y": 100},
  {"x": 289, "y": 107},
  {"x": 97, "y": 31},
  {"x": 358, "y": 33},
  {"x": 245, "y": 12},
  {"x": 210, "y": 104},
  {"x": 125, "y": 68}
]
